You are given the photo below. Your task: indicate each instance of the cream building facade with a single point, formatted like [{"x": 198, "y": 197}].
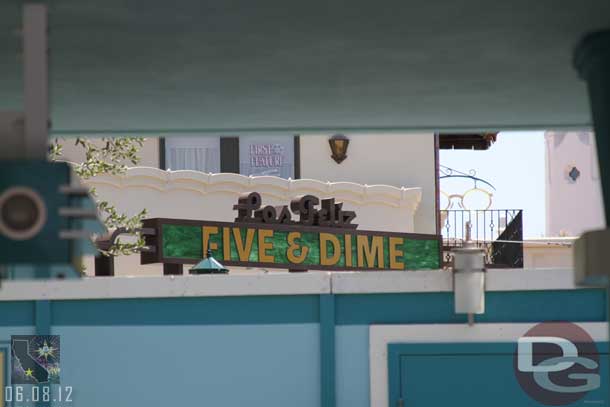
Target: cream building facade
[
  {"x": 372, "y": 159},
  {"x": 389, "y": 180},
  {"x": 573, "y": 198},
  {"x": 573, "y": 189}
]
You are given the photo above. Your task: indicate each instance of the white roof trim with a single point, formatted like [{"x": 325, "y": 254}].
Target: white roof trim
[
  {"x": 442, "y": 281},
  {"x": 166, "y": 286},
  {"x": 277, "y": 284}
]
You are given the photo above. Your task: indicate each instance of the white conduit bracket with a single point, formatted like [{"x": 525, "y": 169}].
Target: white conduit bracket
[{"x": 469, "y": 278}]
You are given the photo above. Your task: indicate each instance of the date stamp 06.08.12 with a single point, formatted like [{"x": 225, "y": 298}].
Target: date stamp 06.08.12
[{"x": 36, "y": 372}]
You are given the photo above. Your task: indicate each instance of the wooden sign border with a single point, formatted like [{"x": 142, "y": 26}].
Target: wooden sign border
[{"x": 156, "y": 256}]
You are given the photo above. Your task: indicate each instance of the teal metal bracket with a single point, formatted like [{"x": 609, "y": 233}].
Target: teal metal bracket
[
  {"x": 43, "y": 317},
  {"x": 43, "y": 321},
  {"x": 327, "y": 350}
]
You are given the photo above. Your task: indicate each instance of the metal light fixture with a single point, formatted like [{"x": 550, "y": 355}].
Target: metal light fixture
[
  {"x": 23, "y": 213},
  {"x": 338, "y": 146},
  {"x": 469, "y": 278},
  {"x": 209, "y": 265}
]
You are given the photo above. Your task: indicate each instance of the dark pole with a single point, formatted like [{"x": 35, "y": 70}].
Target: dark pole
[
  {"x": 592, "y": 60},
  {"x": 172, "y": 269},
  {"x": 104, "y": 265}
]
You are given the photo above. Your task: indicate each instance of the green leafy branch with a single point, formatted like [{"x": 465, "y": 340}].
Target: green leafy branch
[{"x": 109, "y": 158}]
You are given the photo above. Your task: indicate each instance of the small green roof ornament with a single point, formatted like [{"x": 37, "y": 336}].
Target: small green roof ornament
[{"x": 209, "y": 265}]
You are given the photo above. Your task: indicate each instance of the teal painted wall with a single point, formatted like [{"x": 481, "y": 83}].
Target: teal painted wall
[
  {"x": 223, "y": 351},
  {"x": 183, "y": 365},
  {"x": 502, "y": 306},
  {"x": 356, "y": 312},
  {"x": 17, "y": 313},
  {"x": 352, "y": 374},
  {"x": 259, "y": 350},
  {"x": 482, "y": 373}
]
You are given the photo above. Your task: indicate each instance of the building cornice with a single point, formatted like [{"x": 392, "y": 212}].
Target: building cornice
[{"x": 280, "y": 188}]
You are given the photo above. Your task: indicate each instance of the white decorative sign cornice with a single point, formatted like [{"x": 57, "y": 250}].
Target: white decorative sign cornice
[{"x": 280, "y": 188}]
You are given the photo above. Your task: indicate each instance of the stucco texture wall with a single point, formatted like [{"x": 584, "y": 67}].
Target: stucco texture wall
[
  {"x": 548, "y": 253},
  {"x": 573, "y": 205},
  {"x": 391, "y": 159},
  {"x": 149, "y": 153}
]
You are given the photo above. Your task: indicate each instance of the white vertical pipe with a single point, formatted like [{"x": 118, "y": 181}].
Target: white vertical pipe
[{"x": 35, "y": 78}]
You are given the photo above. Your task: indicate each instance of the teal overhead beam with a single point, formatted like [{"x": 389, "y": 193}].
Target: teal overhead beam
[
  {"x": 275, "y": 66},
  {"x": 288, "y": 131}
]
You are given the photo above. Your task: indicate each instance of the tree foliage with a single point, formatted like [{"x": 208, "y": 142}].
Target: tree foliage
[{"x": 109, "y": 157}]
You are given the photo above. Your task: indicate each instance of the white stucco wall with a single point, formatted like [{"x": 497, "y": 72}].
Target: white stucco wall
[
  {"x": 572, "y": 207},
  {"x": 201, "y": 196},
  {"x": 374, "y": 159},
  {"x": 389, "y": 159},
  {"x": 548, "y": 252}
]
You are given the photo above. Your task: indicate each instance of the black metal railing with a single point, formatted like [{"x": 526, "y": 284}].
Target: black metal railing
[{"x": 498, "y": 231}]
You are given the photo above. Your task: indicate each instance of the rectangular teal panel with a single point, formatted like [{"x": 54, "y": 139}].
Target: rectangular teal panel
[
  {"x": 327, "y": 350},
  {"x": 196, "y": 365},
  {"x": 468, "y": 380},
  {"x": 17, "y": 313},
  {"x": 474, "y": 375},
  {"x": 276, "y": 309},
  {"x": 585, "y": 305}
]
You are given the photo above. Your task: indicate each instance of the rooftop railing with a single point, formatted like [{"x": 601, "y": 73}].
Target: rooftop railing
[{"x": 498, "y": 231}]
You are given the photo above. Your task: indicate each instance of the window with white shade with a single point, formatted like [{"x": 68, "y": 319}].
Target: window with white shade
[
  {"x": 193, "y": 153},
  {"x": 246, "y": 155}
]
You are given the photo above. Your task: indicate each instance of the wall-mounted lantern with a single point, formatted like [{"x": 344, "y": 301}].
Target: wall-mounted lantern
[
  {"x": 469, "y": 278},
  {"x": 209, "y": 265},
  {"x": 338, "y": 146}
]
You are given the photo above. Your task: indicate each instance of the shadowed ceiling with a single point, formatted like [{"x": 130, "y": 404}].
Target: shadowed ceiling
[{"x": 359, "y": 65}]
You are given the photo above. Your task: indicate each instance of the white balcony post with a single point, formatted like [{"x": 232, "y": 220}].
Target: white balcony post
[{"x": 469, "y": 278}]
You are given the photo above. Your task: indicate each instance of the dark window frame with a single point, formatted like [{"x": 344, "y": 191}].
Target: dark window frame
[{"x": 229, "y": 155}]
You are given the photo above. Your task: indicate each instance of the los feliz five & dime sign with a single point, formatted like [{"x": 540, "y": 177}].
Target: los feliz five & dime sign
[{"x": 322, "y": 236}]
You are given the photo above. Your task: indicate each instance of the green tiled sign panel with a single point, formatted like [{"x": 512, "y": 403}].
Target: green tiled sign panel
[{"x": 184, "y": 243}]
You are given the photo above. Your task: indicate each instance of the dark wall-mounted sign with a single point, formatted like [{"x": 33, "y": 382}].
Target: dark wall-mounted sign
[{"x": 322, "y": 238}]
